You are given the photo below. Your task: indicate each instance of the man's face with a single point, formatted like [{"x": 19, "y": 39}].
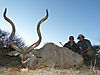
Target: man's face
[{"x": 81, "y": 38}]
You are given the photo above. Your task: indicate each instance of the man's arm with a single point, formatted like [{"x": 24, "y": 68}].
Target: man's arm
[{"x": 86, "y": 50}]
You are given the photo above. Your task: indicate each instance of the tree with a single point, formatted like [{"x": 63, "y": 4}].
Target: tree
[
  {"x": 5, "y": 48},
  {"x": 4, "y": 41}
]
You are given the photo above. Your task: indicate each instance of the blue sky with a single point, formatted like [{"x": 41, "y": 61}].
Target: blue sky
[{"x": 66, "y": 18}]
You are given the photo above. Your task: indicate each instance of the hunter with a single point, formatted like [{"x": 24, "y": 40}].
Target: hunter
[
  {"x": 85, "y": 47},
  {"x": 72, "y": 45}
]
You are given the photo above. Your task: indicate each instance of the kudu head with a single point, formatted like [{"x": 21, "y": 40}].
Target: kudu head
[{"x": 24, "y": 53}]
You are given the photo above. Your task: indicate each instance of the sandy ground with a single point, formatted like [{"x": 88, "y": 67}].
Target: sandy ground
[{"x": 49, "y": 71}]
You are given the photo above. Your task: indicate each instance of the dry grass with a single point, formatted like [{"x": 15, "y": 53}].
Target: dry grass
[{"x": 50, "y": 71}]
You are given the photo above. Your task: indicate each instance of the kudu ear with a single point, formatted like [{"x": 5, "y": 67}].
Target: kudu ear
[{"x": 13, "y": 53}]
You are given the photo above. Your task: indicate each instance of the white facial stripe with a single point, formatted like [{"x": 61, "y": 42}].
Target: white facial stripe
[
  {"x": 16, "y": 54},
  {"x": 25, "y": 61},
  {"x": 33, "y": 55}
]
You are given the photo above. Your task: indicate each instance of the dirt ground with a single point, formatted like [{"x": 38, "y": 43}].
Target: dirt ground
[{"x": 49, "y": 71}]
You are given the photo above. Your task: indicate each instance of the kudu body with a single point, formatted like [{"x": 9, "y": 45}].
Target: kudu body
[{"x": 49, "y": 55}]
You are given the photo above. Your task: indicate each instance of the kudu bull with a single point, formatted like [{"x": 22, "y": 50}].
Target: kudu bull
[{"x": 49, "y": 55}]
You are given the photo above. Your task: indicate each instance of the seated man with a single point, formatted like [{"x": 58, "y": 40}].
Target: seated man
[
  {"x": 85, "y": 47},
  {"x": 71, "y": 44}
]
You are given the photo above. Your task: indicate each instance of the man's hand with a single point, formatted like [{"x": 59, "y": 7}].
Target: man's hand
[
  {"x": 82, "y": 52},
  {"x": 86, "y": 50}
]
